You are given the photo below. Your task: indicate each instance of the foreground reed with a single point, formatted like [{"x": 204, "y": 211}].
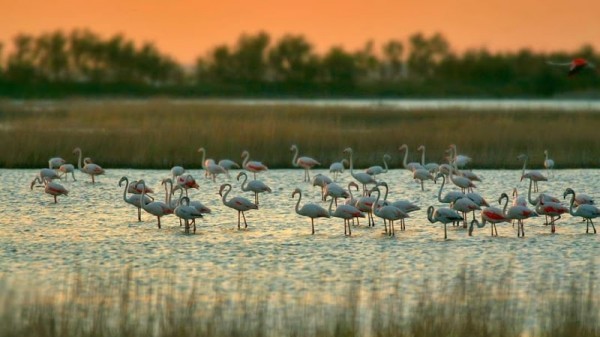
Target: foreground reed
[
  {"x": 162, "y": 133},
  {"x": 469, "y": 305}
]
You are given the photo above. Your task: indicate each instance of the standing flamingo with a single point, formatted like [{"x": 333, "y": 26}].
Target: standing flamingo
[
  {"x": 335, "y": 191},
  {"x": 134, "y": 199},
  {"x": 228, "y": 164},
  {"x": 65, "y": 169},
  {"x": 431, "y": 167},
  {"x": 346, "y": 212},
  {"x": 337, "y": 168},
  {"x": 422, "y": 174},
  {"x": 376, "y": 169},
  {"x": 548, "y": 163},
  {"x": 459, "y": 160},
  {"x": 186, "y": 212},
  {"x": 251, "y": 165},
  {"x": 464, "y": 183},
  {"x": 575, "y": 66},
  {"x": 55, "y": 162},
  {"x": 465, "y": 205},
  {"x": 554, "y": 210},
  {"x": 176, "y": 171},
  {"x": 362, "y": 177},
  {"x": 409, "y": 166},
  {"x": 50, "y": 187},
  {"x": 305, "y": 162},
  {"x": 443, "y": 215},
  {"x": 309, "y": 210},
  {"x": 493, "y": 215},
  {"x": 517, "y": 212},
  {"x": 322, "y": 181},
  {"x": 389, "y": 213},
  {"x": 535, "y": 176},
  {"x": 186, "y": 181},
  {"x": 450, "y": 196},
  {"x": 156, "y": 208},
  {"x": 588, "y": 212},
  {"x": 240, "y": 204},
  {"x": 255, "y": 186},
  {"x": 89, "y": 168}
]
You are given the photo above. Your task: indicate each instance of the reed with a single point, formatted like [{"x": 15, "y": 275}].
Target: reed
[
  {"x": 161, "y": 133},
  {"x": 471, "y": 305}
]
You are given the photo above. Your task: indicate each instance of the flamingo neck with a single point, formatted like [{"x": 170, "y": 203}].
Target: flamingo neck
[
  {"x": 441, "y": 187},
  {"x": 294, "y": 163},
  {"x": 246, "y": 157},
  {"x": 298, "y": 202},
  {"x": 331, "y": 206},
  {"x": 529, "y": 194},
  {"x": 374, "y": 205},
  {"x": 244, "y": 182},
  {"x": 125, "y": 190},
  {"x": 423, "y": 157},
  {"x": 505, "y": 204},
  {"x": 405, "y": 160},
  {"x": 571, "y": 205},
  {"x": 203, "y": 157},
  {"x": 79, "y": 160}
]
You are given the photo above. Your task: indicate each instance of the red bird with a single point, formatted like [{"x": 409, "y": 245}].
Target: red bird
[{"x": 575, "y": 66}]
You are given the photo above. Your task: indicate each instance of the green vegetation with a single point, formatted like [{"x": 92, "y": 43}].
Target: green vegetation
[
  {"x": 468, "y": 305},
  {"x": 81, "y": 63},
  {"x": 163, "y": 133}
]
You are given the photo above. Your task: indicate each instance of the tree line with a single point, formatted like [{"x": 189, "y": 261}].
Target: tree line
[{"x": 59, "y": 64}]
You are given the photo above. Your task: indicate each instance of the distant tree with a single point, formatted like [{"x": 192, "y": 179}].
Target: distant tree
[
  {"x": 392, "y": 62},
  {"x": 251, "y": 58},
  {"x": 366, "y": 62},
  {"x": 292, "y": 60},
  {"x": 21, "y": 63},
  {"x": 425, "y": 53},
  {"x": 52, "y": 57},
  {"x": 339, "y": 69}
]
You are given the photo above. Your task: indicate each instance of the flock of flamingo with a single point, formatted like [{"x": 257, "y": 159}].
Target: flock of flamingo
[{"x": 371, "y": 202}]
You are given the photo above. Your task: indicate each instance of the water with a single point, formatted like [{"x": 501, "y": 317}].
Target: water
[{"x": 94, "y": 230}]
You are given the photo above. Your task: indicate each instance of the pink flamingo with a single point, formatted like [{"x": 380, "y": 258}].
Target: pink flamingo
[
  {"x": 65, "y": 169},
  {"x": 494, "y": 216},
  {"x": 535, "y": 176},
  {"x": 184, "y": 211},
  {"x": 89, "y": 168},
  {"x": 305, "y": 162},
  {"x": 588, "y": 212},
  {"x": 240, "y": 204},
  {"x": 251, "y": 165},
  {"x": 186, "y": 181},
  {"x": 310, "y": 210},
  {"x": 552, "y": 209},
  {"x": 346, "y": 212},
  {"x": 50, "y": 187},
  {"x": 517, "y": 212},
  {"x": 575, "y": 66}
]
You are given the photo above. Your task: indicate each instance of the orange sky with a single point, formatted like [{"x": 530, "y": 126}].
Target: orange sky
[{"x": 187, "y": 29}]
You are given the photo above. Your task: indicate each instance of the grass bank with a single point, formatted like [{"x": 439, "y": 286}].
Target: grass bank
[
  {"x": 468, "y": 305},
  {"x": 162, "y": 133}
]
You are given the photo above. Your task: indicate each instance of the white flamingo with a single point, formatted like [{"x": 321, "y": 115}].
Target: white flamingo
[
  {"x": 252, "y": 165},
  {"x": 409, "y": 166},
  {"x": 337, "y": 168},
  {"x": 55, "y": 162},
  {"x": 89, "y": 168},
  {"x": 459, "y": 160},
  {"x": 50, "y": 187},
  {"x": 335, "y": 191},
  {"x": 134, "y": 199},
  {"x": 47, "y": 173},
  {"x": 205, "y": 161},
  {"x": 305, "y": 162},
  {"x": 156, "y": 208},
  {"x": 322, "y": 181},
  {"x": 422, "y": 174},
  {"x": 389, "y": 213},
  {"x": 588, "y": 212},
  {"x": 443, "y": 215},
  {"x": 361, "y": 177},
  {"x": 535, "y": 176},
  {"x": 176, "y": 171},
  {"x": 254, "y": 186},
  {"x": 450, "y": 196},
  {"x": 464, "y": 183},
  {"x": 228, "y": 165},
  {"x": 376, "y": 169},
  {"x": 310, "y": 210},
  {"x": 548, "y": 163},
  {"x": 186, "y": 212},
  {"x": 240, "y": 204},
  {"x": 346, "y": 212},
  {"x": 214, "y": 169},
  {"x": 431, "y": 167},
  {"x": 465, "y": 205}
]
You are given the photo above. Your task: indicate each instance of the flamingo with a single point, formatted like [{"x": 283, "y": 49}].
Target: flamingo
[
  {"x": 156, "y": 208},
  {"x": 554, "y": 210},
  {"x": 89, "y": 168},
  {"x": 460, "y": 181},
  {"x": 362, "y": 177},
  {"x": 240, "y": 204},
  {"x": 228, "y": 164},
  {"x": 535, "y": 176},
  {"x": 450, "y": 196},
  {"x": 404, "y": 205},
  {"x": 214, "y": 169},
  {"x": 47, "y": 173},
  {"x": 588, "y": 212},
  {"x": 365, "y": 205},
  {"x": 548, "y": 163},
  {"x": 55, "y": 162},
  {"x": 65, "y": 169},
  {"x": 389, "y": 213},
  {"x": 458, "y": 160},
  {"x": 443, "y": 215},
  {"x": 186, "y": 212},
  {"x": 409, "y": 166},
  {"x": 200, "y": 207},
  {"x": 346, "y": 212},
  {"x": 205, "y": 161},
  {"x": 252, "y": 166},
  {"x": 335, "y": 191},
  {"x": 575, "y": 66},
  {"x": 321, "y": 180},
  {"x": 50, "y": 187},
  {"x": 494, "y": 216},
  {"x": 176, "y": 171},
  {"x": 136, "y": 187},
  {"x": 186, "y": 181},
  {"x": 309, "y": 210},
  {"x": 134, "y": 199},
  {"x": 422, "y": 174},
  {"x": 305, "y": 162},
  {"x": 255, "y": 186},
  {"x": 517, "y": 212},
  {"x": 337, "y": 168},
  {"x": 376, "y": 169},
  {"x": 465, "y": 205},
  {"x": 431, "y": 167}
]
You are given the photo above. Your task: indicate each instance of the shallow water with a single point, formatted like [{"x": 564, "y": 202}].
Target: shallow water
[{"x": 94, "y": 230}]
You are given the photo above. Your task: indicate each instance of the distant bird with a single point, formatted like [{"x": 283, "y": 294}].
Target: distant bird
[
  {"x": 588, "y": 212},
  {"x": 205, "y": 161},
  {"x": 464, "y": 183},
  {"x": 228, "y": 164},
  {"x": 134, "y": 199},
  {"x": 535, "y": 176},
  {"x": 50, "y": 187},
  {"x": 517, "y": 212},
  {"x": 443, "y": 215},
  {"x": 422, "y": 174},
  {"x": 305, "y": 162},
  {"x": 186, "y": 212},
  {"x": 335, "y": 191},
  {"x": 548, "y": 163},
  {"x": 240, "y": 204},
  {"x": 409, "y": 166},
  {"x": 361, "y": 177},
  {"x": 254, "y": 186},
  {"x": 575, "y": 66},
  {"x": 252, "y": 165},
  {"x": 431, "y": 167},
  {"x": 459, "y": 160},
  {"x": 156, "y": 208},
  {"x": 389, "y": 213},
  {"x": 55, "y": 162},
  {"x": 346, "y": 212},
  {"x": 376, "y": 169},
  {"x": 176, "y": 171},
  {"x": 337, "y": 168},
  {"x": 65, "y": 169},
  {"x": 322, "y": 181},
  {"x": 214, "y": 169},
  {"x": 89, "y": 168},
  {"x": 310, "y": 210}
]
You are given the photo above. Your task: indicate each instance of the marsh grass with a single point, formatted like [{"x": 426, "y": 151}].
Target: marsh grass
[
  {"x": 123, "y": 305},
  {"x": 161, "y": 133}
]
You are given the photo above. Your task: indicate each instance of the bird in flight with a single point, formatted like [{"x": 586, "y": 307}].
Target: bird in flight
[{"x": 575, "y": 66}]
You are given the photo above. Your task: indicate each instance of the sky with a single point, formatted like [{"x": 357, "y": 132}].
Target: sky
[{"x": 187, "y": 29}]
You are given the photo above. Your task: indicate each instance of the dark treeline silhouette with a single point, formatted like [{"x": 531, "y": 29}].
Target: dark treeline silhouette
[{"x": 81, "y": 63}]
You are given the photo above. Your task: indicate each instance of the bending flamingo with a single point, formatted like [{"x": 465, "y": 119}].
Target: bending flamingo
[
  {"x": 337, "y": 168},
  {"x": 376, "y": 169},
  {"x": 535, "y": 176},
  {"x": 305, "y": 162},
  {"x": 186, "y": 212},
  {"x": 50, "y": 187},
  {"x": 389, "y": 213},
  {"x": 310, "y": 210},
  {"x": 322, "y": 181}
]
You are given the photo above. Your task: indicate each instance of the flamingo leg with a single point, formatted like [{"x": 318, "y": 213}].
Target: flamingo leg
[
  {"x": 55, "y": 200},
  {"x": 312, "y": 222},
  {"x": 593, "y": 227},
  {"x": 349, "y": 229},
  {"x": 239, "y": 219},
  {"x": 158, "y": 221},
  {"x": 256, "y": 198},
  {"x": 445, "y": 232},
  {"x": 139, "y": 214},
  {"x": 393, "y": 230},
  {"x": 245, "y": 223}
]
